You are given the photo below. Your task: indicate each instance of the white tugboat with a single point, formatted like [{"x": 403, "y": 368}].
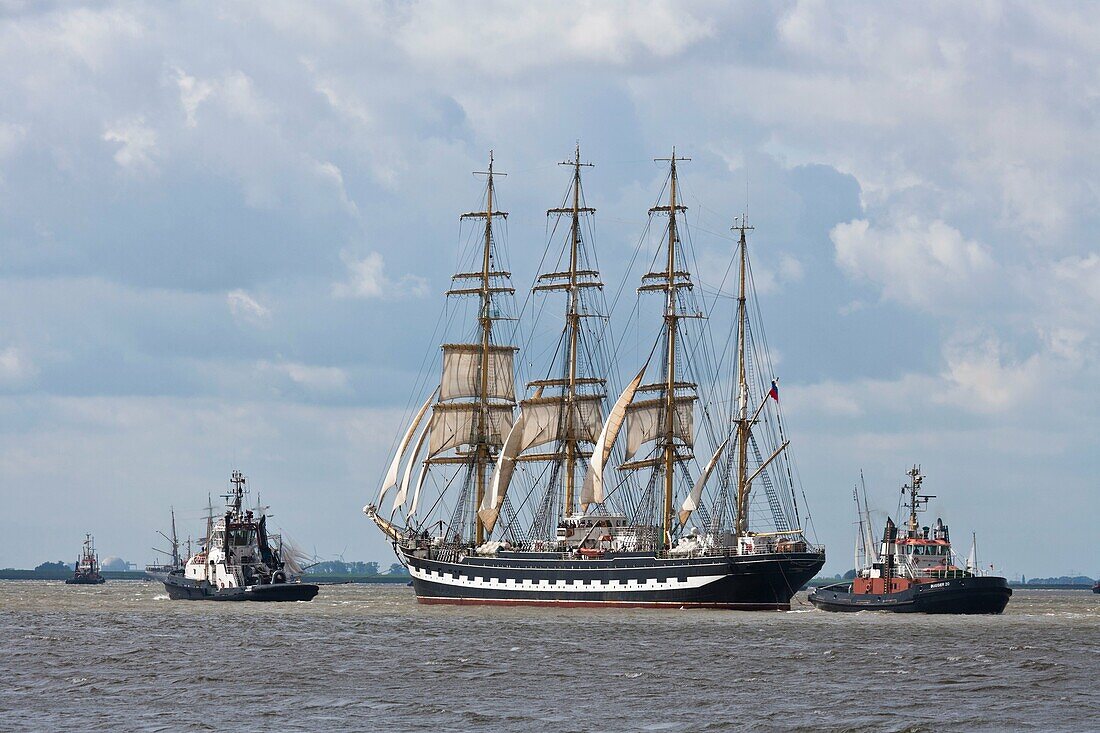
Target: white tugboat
[{"x": 239, "y": 560}]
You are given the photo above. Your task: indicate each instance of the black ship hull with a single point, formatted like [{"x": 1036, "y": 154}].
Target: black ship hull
[
  {"x": 182, "y": 589},
  {"x": 86, "y": 580},
  {"x": 625, "y": 580},
  {"x": 977, "y": 595}
]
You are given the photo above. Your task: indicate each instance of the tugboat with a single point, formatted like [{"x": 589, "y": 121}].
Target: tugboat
[
  {"x": 87, "y": 566},
  {"x": 239, "y": 560},
  {"x": 912, "y": 571}
]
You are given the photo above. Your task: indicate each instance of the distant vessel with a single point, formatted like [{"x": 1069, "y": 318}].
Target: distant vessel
[
  {"x": 87, "y": 566},
  {"x": 912, "y": 571},
  {"x": 174, "y": 554},
  {"x": 239, "y": 559},
  {"x": 492, "y": 520}
]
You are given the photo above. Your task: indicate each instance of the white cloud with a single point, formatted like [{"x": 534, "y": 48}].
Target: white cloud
[
  {"x": 137, "y": 141},
  {"x": 16, "y": 366},
  {"x": 332, "y": 174},
  {"x": 983, "y": 377},
  {"x": 321, "y": 379},
  {"x": 246, "y": 308},
  {"x": 192, "y": 93},
  {"x": 367, "y": 279},
  {"x": 11, "y": 136},
  {"x": 926, "y": 265},
  {"x": 509, "y": 39}
]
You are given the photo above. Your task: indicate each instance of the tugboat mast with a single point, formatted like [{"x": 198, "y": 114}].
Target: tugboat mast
[{"x": 917, "y": 501}]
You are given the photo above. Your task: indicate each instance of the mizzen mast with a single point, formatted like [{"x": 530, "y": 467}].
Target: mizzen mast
[{"x": 742, "y": 421}]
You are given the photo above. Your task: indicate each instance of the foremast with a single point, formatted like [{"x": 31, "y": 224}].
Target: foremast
[{"x": 482, "y": 459}]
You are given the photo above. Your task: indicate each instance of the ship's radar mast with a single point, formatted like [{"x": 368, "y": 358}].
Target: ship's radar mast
[{"x": 918, "y": 502}]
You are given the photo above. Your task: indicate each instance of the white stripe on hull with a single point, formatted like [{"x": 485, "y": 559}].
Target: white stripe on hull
[{"x": 575, "y": 586}]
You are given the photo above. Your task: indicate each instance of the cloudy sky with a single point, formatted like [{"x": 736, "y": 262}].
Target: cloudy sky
[{"x": 224, "y": 231}]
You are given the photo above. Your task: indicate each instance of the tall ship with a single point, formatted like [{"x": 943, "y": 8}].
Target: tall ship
[
  {"x": 87, "y": 566},
  {"x": 673, "y": 489},
  {"x": 913, "y": 569},
  {"x": 239, "y": 559}
]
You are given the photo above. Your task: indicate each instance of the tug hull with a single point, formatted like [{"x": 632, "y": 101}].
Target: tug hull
[
  {"x": 975, "y": 595},
  {"x": 180, "y": 588}
]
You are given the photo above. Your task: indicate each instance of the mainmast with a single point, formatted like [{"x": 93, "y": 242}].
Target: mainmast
[
  {"x": 572, "y": 320},
  {"x": 672, "y": 318}
]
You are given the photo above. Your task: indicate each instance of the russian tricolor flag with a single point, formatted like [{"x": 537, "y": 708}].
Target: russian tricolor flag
[{"x": 774, "y": 391}]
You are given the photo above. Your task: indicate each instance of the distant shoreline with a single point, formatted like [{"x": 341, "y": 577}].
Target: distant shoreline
[{"x": 15, "y": 574}]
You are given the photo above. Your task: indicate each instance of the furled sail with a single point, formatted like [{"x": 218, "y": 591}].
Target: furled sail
[
  {"x": 462, "y": 372},
  {"x": 403, "y": 492},
  {"x": 502, "y": 476},
  {"x": 455, "y": 424},
  {"x": 592, "y": 491},
  {"x": 645, "y": 422},
  {"x": 391, "y": 475},
  {"x": 691, "y": 503}
]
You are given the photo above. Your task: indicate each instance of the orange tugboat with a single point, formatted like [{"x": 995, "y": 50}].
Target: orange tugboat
[
  {"x": 913, "y": 572},
  {"x": 87, "y": 566}
]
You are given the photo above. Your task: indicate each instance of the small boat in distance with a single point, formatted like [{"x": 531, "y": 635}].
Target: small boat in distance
[
  {"x": 912, "y": 570},
  {"x": 173, "y": 541},
  {"x": 239, "y": 559},
  {"x": 87, "y": 566}
]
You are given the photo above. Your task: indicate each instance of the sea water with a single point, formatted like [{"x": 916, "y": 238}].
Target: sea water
[{"x": 121, "y": 656}]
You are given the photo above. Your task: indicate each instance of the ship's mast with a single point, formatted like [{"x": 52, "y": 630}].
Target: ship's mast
[
  {"x": 917, "y": 500},
  {"x": 742, "y": 420},
  {"x": 482, "y": 458},
  {"x": 572, "y": 320},
  {"x": 175, "y": 540},
  {"x": 672, "y": 318}
]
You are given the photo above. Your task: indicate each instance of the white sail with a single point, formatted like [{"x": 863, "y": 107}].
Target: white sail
[
  {"x": 545, "y": 420},
  {"x": 502, "y": 475},
  {"x": 416, "y": 494},
  {"x": 462, "y": 372},
  {"x": 455, "y": 424},
  {"x": 592, "y": 491},
  {"x": 691, "y": 503},
  {"x": 972, "y": 561},
  {"x": 645, "y": 422},
  {"x": 403, "y": 492},
  {"x": 395, "y": 465}
]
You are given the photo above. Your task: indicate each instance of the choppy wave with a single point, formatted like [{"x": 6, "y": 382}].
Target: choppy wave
[{"x": 369, "y": 658}]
